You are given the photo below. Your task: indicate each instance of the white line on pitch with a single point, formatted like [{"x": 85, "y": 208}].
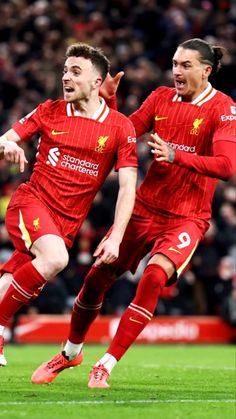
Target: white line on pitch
[
  {"x": 197, "y": 367},
  {"x": 93, "y": 402}
]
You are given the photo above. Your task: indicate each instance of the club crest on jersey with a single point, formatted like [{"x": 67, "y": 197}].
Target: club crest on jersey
[
  {"x": 36, "y": 224},
  {"x": 196, "y": 124},
  {"x": 101, "y": 143}
]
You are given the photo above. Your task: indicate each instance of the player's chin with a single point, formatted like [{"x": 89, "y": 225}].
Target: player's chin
[{"x": 68, "y": 97}]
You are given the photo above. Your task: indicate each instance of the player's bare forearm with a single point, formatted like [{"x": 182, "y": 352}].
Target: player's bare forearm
[
  {"x": 125, "y": 200},
  {"x": 10, "y": 151},
  {"x": 108, "y": 249}
]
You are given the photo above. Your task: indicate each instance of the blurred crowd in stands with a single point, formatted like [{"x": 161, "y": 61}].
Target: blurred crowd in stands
[{"x": 139, "y": 37}]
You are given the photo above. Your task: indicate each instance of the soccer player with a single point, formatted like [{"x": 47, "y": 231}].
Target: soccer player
[
  {"x": 193, "y": 146},
  {"x": 81, "y": 141}
]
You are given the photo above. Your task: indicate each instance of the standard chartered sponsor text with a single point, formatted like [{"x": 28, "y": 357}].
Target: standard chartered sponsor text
[
  {"x": 182, "y": 147},
  {"x": 82, "y": 166}
]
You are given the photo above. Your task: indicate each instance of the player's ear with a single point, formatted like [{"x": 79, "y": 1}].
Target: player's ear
[
  {"x": 97, "y": 82},
  {"x": 207, "y": 71}
]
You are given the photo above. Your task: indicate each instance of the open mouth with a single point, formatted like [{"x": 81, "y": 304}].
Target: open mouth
[
  {"x": 68, "y": 89},
  {"x": 179, "y": 84}
]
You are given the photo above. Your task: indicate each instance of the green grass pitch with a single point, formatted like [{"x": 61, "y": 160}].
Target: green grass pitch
[{"x": 164, "y": 382}]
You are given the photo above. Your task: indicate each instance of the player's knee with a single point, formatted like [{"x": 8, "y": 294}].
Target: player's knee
[
  {"x": 100, "y": 278},
  {"x": 155, "y": 276},
  {"x": 56, "y": 264}
]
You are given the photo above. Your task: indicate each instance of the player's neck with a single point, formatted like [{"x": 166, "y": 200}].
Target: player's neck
[
  {"x": 198, "y": 92},
  {"x": 87, "y": 108}
]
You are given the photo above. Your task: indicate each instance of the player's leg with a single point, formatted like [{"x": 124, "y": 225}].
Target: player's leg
[
  {"x": 134, "y": 319},
  {"x": 86, "y": 307},
  {"x": 89, "y": 301},
  {"x": 50, "y": 258},
  {"x": 16, "y": 260},
  {"x": 5, "y": 281},
  {"x": 162, "y": 267},
  {"x": 46, "y": 256}
]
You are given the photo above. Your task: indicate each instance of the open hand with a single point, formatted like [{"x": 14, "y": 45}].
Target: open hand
[
  {"x": 161, "y": 150},
  {"x": 110, "y": 85}
]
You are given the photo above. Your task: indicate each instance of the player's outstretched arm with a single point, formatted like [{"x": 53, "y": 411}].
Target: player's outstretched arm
[
  {"x": 10, "y": 150},
  {"x": 222, "y": 165},
  {"x": 108, "y": 249}
]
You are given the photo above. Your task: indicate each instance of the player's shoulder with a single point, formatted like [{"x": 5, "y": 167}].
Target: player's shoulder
[
  {"x": 118, "y": 118},
  {"x": 52, "y": 106},
  {"x": 223, "y": 105},
  {"x": 223, "y": 98},
  {"x": 163, "y": 92}
]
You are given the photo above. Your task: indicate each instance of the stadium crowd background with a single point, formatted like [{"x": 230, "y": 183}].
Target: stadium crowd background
[{"x": 139, "y": 37}]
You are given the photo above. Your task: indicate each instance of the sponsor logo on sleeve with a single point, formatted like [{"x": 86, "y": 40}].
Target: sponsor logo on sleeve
[
  {"x": 233, "y": 110},
  {"x": 131, "y": 139},
  {"x": 22, "y": 120},
  {"x": 232, "y": 117}
]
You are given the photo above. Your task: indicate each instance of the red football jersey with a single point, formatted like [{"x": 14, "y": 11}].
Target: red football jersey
[
  {"x": 74, "y": 157},
  {"x": 189, "y": 128}
]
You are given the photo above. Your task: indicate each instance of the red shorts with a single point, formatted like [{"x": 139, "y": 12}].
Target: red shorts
[
  {"x": 27, "y": 220},
  {"x": 173, "y": 238}
]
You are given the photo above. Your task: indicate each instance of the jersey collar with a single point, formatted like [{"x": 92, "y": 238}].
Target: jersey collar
[
  {"x": 99, "y": 115},
  {"x": 206, "y": 95}
]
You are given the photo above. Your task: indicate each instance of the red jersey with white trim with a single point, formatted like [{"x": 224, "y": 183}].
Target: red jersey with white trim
[
  {"x": 189, "y": 128},
  {"x": 74, "y": 157}
]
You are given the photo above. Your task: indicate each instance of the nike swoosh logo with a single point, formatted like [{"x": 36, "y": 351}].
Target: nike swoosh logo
[
  {"x": 159, "y": 118},
  {"x": 175, "y": 250},
  {"x": 134, "y": 320},
  {"x": 17, "y": 299},
  {"x": 54, "y": 132}
]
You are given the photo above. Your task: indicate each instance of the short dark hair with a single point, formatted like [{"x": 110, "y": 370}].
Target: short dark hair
[
  {"x": 95, "y": 55},
  {"x": 209, "y": 54}
]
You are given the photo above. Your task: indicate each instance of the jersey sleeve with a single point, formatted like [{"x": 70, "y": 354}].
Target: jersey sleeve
[
  {"x": 31, "y": 123},
  {"x": 225, "y": 115},
  {"x": 222, "y": 164},
  {"x": 127, "y": 152},
  {"x": 142, "y": 119}
]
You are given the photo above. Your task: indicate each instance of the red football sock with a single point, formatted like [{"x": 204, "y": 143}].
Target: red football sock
[
  {"x": 88, "y": 303},
  {"x": 26, "y": 281},
  {"x": 140, "y": 311}
]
